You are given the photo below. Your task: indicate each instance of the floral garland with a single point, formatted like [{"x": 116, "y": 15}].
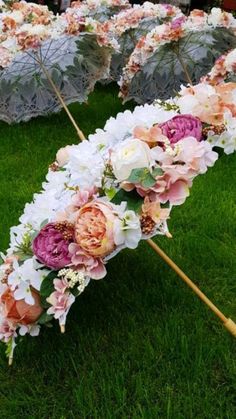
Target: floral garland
[
  {"x": 100, "y": 10},
  {"x": 26, "y": 25},
  {"x": 130, "y": 18},
  {"x": 96, "y": 4},
  {"x": 224, "y": 66},
  {"x": 214, "y": 106},
  {"x": 100, "y": 196},
  {"x": 169, "y": 32}
]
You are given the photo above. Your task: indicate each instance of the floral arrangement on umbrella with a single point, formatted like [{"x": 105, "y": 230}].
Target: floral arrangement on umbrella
[
  {"x": 47, "y": 62},
  {"x": 224, "y": 69},
  {"x": 30, "y": 17},
  {"x": 26, "y": 25},
  {"x": 214, "y": 106},
  {"x": 100, "y": 10},
  {"x": 129, "y": 25},
  {"x": 176, "y": 52},
  {"x": 101, "y": 196},
  {"x": 131, "y": 18}
]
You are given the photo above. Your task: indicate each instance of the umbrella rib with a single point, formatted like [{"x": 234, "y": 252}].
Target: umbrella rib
[{"x": 59, "y": 96}]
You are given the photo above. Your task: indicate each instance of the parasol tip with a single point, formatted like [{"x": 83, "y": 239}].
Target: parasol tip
[
  {"x": 63, "y": 328},
  {"x": 169, "y": 235},
  {"x": 10, "y": 361},
  {"x": 231, "y": 327}
]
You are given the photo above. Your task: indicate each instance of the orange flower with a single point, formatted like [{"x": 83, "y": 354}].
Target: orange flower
[
  {"x": 8, "y": 23},
  {"x": 18, "y": 311},
  {"x": 154, "y": 211}
]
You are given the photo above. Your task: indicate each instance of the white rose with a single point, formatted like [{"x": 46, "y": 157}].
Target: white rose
[
  {"x": 131, "y": 154},
  {"x": 230, "y": 60},
  {"x": 17, "y": 16},
  {"x": 62, "y": 156},
  {"x": 127, "y": 231},
  {"x": 215, "y": 16}
]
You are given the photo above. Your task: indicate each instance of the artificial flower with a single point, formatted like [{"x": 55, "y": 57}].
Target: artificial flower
[{"x": 94, "y": 228}]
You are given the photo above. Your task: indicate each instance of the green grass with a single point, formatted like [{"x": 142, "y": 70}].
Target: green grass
[{"x": 139, "y": 344}]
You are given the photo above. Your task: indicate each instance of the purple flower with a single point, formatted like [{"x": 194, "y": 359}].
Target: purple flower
[
  {"x": 177, "y": 23},
  {"x": 52, "y": 243},
  {"x": 182, "y": 126}
]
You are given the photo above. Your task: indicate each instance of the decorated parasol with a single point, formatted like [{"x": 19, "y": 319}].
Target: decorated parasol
[
  {"x": 130, "y": 25},
  {"x": 102, "y": 196},
  {"x": 44, "y": 66},
  {"x": 176, "y": 53}
]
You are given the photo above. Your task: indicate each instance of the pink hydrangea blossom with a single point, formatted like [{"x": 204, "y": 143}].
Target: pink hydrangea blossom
[
  {"x": 7, "y": 331},
  {"x": 91, "y": 266},
  {"x": 61, "y": 300}
]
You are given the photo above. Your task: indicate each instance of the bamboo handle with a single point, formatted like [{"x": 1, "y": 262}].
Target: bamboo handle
[{"x": 228, "y": 323}]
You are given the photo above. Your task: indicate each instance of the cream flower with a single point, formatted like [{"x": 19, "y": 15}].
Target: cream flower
[{"x": 131, "y": 154}]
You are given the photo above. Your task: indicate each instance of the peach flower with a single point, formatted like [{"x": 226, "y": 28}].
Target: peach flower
[
  {"x": 227, "y": 92},
  {"x": 62, "y": 156},
  {"x": 154, "y": 211},
  {"x": 18, "y": 311},
  {"x": 203, "y": 102},
  {"x": 94, "y": 229},
  {"x": 151, "y": 136}
]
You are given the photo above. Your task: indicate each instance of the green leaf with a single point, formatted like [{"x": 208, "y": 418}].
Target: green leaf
[
  {"x": 137, "y": 175},
  {"x": 47, "y": 288},
  {"x": 148, "y": 181},
  {"x": 110, "y": 193},
  {"x": 43, "y": 223},
  {"x": 45, "y": 318},
  {"x": 133, "y": 200},
  {"x": 143, "y": 177},
  {"x": 157, "y": 172}
]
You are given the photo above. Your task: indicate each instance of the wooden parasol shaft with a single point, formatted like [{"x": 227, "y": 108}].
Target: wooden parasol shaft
[
  {"x": 60, "y": 98},
  {"x": 228, "y": 323}
]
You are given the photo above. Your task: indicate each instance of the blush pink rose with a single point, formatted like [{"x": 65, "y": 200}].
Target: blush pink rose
[
  {"x": 182, "y": 126},
  {"x": 18, "y": 311},
  {"x": 94, "y": 229}
]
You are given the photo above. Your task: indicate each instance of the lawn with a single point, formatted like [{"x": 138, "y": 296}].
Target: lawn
[{"x": 139, "y": 344}]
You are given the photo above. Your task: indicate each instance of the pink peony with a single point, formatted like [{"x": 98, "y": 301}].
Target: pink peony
[
  {"x": 94, "y": 229},
  {"x": 182, "y": 126},
  {"x": 52, "y": 243},
  {"x": 93, "y": 267}
]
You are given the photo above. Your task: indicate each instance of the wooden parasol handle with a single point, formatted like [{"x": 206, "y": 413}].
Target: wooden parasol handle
[{"x": 228, "y": 323}]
